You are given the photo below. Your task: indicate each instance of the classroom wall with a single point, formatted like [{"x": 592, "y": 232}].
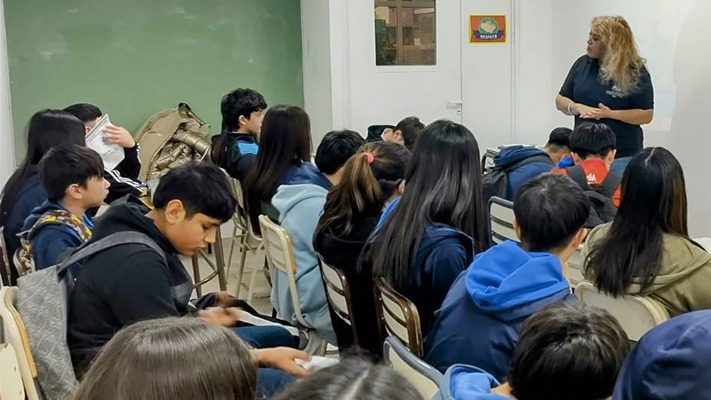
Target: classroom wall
[
  {"x": 6, "y": 140},
  {"x": 133, "y": 58}
]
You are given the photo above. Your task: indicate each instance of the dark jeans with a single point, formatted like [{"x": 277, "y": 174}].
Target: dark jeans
[
  {"x": 262, "y": 337},
  {"x": 272, "y": 381}
]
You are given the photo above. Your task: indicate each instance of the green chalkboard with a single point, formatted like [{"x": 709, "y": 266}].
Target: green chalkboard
[{"x": 136, "y": 57}]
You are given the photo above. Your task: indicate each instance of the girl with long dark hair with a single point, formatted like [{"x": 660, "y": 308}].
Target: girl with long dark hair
[
  {"x": 430, "y": 235},
  {"x": 646, "y": 250}
]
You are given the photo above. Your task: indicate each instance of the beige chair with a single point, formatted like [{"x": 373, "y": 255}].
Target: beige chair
[
  {"x": 636, "y": 314},
  {"x": 249, "y": 241},
  {"x": 423, "y": 376},
  {"x": 11, "y": 383},
  {"x": 501, "y": 218},
  {"x": 14, "y": 332},
  {"x": 338, "y": 293},
  {"x": 5, "y": 265},
  {"x": 280, "y": 257},
  {"x": 398, "y": 316},
  {"x": 575, "y": 267}
]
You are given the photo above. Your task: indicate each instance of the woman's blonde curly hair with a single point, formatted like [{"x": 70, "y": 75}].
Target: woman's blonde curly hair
[{"x": 622, "y": 65}]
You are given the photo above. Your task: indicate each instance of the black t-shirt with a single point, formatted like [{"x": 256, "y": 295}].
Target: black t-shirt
[{"x": 583, "y": 86}]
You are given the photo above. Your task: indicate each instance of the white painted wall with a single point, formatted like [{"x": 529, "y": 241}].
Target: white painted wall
[
  {"x": 316, "y": 50},
  {"x": 7, "y": 157}
]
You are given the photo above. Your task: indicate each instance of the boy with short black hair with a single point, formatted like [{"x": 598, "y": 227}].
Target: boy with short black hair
[
  {"x": 235, "y": 148},
  {"x": 124, "y": 177},
  {"x": 481, "y": 316},
  {"x": 131, "y": 282},
  {"x": 565, "y": 351},
  {"x": 405, "y": 132},
  {"x": 593, "y": 147},
  {"x": 72, "y": 176}
]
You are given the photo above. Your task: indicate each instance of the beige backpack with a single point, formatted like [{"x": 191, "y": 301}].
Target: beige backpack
[{"x": 171, "y": 138}]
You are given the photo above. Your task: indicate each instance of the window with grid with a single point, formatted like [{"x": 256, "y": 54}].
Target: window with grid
[{"x": 405, "y": 32}]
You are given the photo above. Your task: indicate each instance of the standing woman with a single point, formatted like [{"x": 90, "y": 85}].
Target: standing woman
[
  {"x": 429, "y": 236},
  {"x": 611, "y": 84}
]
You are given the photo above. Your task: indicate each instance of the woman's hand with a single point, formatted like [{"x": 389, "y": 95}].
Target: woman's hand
[
  {"x": 602, "y": 111},
  {"x": 586, "y": 112},
  {"x": 283, "y": 358}
]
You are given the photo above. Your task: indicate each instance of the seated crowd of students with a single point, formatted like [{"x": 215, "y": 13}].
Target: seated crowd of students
[{"x": 500, "y": 321}]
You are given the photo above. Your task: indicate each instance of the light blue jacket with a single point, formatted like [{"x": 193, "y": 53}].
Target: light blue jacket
[{"x": 300, "y": 207}]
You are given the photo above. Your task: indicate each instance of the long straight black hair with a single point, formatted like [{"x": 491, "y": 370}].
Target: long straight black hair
[
  {"x": 285, "y": 141},
  {"x": 653, "y": 203},
  {"x": 47, "y": 128},
  {"x": 443, "y": 185}
]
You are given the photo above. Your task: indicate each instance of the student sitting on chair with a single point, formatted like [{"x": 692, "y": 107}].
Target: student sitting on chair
[
  {"x": 23, "y": 190},
  {"x": 430, "y": 234},
  {"x": 235, "y": 148},
  {"x": 593, "y": 148},
  {"x": 131, "y": 282},
  {"x": 481, "y": 316},
  {"x": 647, "y": 250},
  {"x": 123, "y": 178},
  {"x": 371, "y": 178},
  {"x": 565, "y": 351},
  {"x": 521, "y": 163},
  {"x": 299, "y": 205},
  {"x": 72, "y": 176},
  {"x": 405, "y": 132}
]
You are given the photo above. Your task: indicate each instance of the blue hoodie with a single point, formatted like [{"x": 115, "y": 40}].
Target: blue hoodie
[
  {"x": 479, "y": 321},
  {"x": 518, "y": 176},
  {"x": 464, "y": 382},
  {"x": 299, "y": 206},
  {"x": 671, "y": 362},
  {"x": 49, "y": 241}
]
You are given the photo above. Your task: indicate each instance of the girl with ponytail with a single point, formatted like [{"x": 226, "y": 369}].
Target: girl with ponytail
[{"x": 371, "y": 179}]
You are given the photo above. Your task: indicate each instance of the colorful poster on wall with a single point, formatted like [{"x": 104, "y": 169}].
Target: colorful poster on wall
[{"x": 487, "y": 29}]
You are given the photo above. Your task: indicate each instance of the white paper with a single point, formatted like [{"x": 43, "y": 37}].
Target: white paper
[{"x": 112, "y": 154}]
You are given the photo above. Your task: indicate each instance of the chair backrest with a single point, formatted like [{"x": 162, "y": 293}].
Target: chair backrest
[
  {"x": 280, "y": 256},
  {"x": 399, "y": 316},
  {"x": 636, "y": 314},
  {"x": 575, "y": 267},
  {"x": 423, "y": 376},
  {"x": 14, "y": 332},
  {"x": 11, "y": 383},
  {"x": 501, "y": 218},
  {"x": 338, "y": 293}
]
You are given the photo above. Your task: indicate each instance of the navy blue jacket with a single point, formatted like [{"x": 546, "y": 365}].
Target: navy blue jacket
[
  {"x": 443, "y": 254},
  {"x": 670, "y": 362},
  {"x": 479, "y": 321},
  {"x": 31, "y": 195},
  {"x": 518, "y": 176},
  {"x": 239, "y": 152},
  {"x": 49, "y": 241}
]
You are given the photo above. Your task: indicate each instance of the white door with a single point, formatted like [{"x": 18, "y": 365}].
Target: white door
[
  {"x": 487, "y": 91},
  {"x": 384, "y": 94}
]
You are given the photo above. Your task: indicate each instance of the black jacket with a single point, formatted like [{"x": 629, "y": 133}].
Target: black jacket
[
  {"x": 124, "y": 284},
  {"x": 342, "y": 253}
]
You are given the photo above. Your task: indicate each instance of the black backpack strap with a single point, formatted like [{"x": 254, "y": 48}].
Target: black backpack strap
[
  {"x": 541, "y": 158},
  {"x": 610, "y": 184},
  {"x": 577, "y": 174},
  {"x": 113, "y": 240}
]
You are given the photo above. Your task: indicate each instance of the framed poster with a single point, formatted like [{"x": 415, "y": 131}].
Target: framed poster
[{"x": 487, "y": 29}]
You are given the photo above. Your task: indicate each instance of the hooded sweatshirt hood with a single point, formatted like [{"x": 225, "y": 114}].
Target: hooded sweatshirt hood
[
  {"x": 670, "y": 362},
  {"x": 513, "y": 154},
  {"x": 507, "y": 281},
  {"x": 463, "y": 382}
]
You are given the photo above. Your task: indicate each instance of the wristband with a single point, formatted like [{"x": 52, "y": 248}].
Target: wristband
[{"x": 569, "y": 111}]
